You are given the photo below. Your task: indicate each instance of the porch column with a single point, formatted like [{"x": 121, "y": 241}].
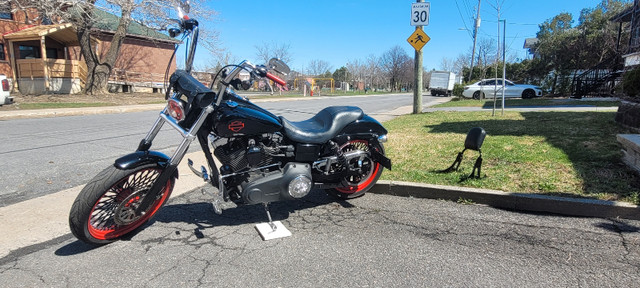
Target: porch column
[
  {"x": 45, "y": 69},
  {"x": 14, "y": 70},
  {"x": 618, "y": 39}
]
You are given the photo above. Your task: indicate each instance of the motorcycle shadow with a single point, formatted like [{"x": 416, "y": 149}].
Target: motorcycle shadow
[{"x": 195, "y": 209}]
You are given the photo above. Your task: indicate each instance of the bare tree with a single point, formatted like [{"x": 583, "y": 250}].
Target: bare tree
[
  {"x": 446, "y": 64},
  {"x": 393, "y": 62},
  {"x": 82, "y": 14},
  {"x": 267, "y": 51},
  {"x": 486, "y": 55},
  {"x": 319, "y": 67},
  {"x": 459, "y": 63},
  {"x": 374, "y": 71},
  {"x": 358, "y": 71}
]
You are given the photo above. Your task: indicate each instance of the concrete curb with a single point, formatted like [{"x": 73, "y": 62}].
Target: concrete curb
[{"x": 512, "y": 201}]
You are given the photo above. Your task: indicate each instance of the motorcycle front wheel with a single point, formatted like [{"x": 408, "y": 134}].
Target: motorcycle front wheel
[
  {"x": 104, "y": 211},
  {"x": 357, "y": 185}
]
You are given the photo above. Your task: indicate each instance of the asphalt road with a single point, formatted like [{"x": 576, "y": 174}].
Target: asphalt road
[
  {"x": 372, "y": 241},
  {"x": 47, "y": 155}
]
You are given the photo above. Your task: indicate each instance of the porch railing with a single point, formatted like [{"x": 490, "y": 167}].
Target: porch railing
[{"x": 57, "y": 68}]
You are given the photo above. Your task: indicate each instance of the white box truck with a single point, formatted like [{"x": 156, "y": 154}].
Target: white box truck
[{"x": 442, "y": 82}]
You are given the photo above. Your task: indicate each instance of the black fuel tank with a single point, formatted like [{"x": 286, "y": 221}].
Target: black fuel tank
[{"x": 241, "y": 118}]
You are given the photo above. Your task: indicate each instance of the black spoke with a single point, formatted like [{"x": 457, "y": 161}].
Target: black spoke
[{"x": 119, "y": 199}]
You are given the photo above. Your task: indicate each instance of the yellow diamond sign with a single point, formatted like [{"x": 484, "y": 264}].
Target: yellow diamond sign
[{"x": 418, "y": 39}]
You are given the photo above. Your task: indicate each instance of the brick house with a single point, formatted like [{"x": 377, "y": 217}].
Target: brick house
[{"x": 40, "y": 58}]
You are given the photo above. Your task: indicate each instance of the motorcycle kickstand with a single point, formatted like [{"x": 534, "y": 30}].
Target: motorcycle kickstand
[
  {"x": 266, "y": 209},
  {"x": 271, "y": 230}
]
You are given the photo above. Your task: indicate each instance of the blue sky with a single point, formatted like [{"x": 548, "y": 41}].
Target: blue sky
[{"x": 343, "y": 31}]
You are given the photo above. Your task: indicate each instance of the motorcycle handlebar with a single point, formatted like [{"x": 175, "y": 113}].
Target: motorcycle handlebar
[{"x": 276, "y": 79}]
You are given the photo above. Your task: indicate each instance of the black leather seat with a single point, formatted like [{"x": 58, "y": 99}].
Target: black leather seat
[{"x": 323, "y": 126}]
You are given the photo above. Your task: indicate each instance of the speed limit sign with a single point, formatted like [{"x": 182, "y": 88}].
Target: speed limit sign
[{"x": 420, "y": 13}]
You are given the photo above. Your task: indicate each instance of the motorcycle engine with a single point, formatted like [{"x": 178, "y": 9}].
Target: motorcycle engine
[
  {"x": 247, "y": 152},
  {"x": 256, "y": 180}
]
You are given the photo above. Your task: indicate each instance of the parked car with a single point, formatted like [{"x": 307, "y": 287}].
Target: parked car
[
  {"x": 488, "y": 87},
  {"x": 5, "y": 88}
]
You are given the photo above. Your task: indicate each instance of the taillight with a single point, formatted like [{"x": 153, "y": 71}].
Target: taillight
[
  {"x": 175, "y": 109},
  {"x": 5, "y": 85}
]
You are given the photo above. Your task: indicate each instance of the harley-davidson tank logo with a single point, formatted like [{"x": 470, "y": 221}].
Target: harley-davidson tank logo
[{"x": 236, "y": 126}]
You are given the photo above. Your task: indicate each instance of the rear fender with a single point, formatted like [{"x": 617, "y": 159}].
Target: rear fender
[{"x": 364, "y": 126}]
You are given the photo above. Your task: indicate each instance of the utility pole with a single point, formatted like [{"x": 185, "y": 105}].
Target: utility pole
[
  {"x": 476, "y": 23},
  {"x": 495, "y": 86},
  {"x": 504, "y": 60},
  {"x": 417, "y": 87}
]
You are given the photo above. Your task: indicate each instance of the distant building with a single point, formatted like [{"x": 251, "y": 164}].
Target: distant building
[
  {"x": 530, "y": 44},
  {"x": 40, "y": 58}
]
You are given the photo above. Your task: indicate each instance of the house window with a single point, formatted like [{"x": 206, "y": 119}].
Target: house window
[
  {"x": 29, "y": 52},
  {"x": 2, "y": 57},
  {"x": 5, "y": 13},
  {"x": 52, "y": 53}
]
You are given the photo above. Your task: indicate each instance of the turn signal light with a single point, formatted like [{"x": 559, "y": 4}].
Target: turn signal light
[{"x": 175, "y": 109}]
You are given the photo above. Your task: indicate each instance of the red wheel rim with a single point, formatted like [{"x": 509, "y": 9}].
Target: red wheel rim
[
  {"x": 120, "y": 200},
  {"x": 362, "y": 184}
]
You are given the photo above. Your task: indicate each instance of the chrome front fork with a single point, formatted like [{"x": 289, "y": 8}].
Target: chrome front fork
[{"x": 187, "y": 135}]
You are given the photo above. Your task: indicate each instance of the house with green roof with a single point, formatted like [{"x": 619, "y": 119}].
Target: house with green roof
[{"x": 47, "y": 59}]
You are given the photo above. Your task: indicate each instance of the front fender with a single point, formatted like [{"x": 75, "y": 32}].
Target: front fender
[{"x": 140, "y": 158}]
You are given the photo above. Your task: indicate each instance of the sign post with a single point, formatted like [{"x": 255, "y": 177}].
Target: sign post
[{"x": 419, "y": 17}]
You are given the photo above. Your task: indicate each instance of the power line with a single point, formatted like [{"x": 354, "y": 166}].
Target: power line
[
  {"x": 514, "y": 23},
  {"x": 463, "y": 21}
]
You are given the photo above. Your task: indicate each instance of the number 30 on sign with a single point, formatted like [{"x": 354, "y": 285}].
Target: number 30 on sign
[{"x": 420, "y": 13}]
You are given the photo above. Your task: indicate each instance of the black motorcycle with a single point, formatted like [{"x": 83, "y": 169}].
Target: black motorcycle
[{"x": 262, "y": 157}]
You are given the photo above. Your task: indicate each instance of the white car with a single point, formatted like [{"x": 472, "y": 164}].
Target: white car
[
  {"x": 487, "y": 88},
  {"x": 5, "y": 88}
]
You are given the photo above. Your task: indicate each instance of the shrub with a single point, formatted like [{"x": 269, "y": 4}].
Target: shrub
[
  {"x": 631, "y": 83},
  {"x": 458, "y": 89}
]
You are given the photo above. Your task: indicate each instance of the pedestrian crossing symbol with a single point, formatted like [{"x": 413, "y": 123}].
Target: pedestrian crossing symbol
[{"x": 418, "y": 39}]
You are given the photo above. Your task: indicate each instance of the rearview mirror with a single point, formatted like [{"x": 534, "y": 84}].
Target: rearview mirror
[
  {"x": 279, "y": 66},
  {"x": 185, "y": 6}
]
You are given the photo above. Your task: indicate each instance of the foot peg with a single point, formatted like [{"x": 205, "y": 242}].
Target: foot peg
[{"x": 202, "y": 173}]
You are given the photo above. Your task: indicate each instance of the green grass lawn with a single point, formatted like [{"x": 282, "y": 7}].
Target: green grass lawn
[
  {"x": 558, "y": 153},
  {"x": 462, "y": 102}
]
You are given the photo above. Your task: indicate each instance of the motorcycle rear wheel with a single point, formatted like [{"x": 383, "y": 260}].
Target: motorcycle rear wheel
[
  {"x": 359, "y": 184},
  {"x": 104, "y": 211}
]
